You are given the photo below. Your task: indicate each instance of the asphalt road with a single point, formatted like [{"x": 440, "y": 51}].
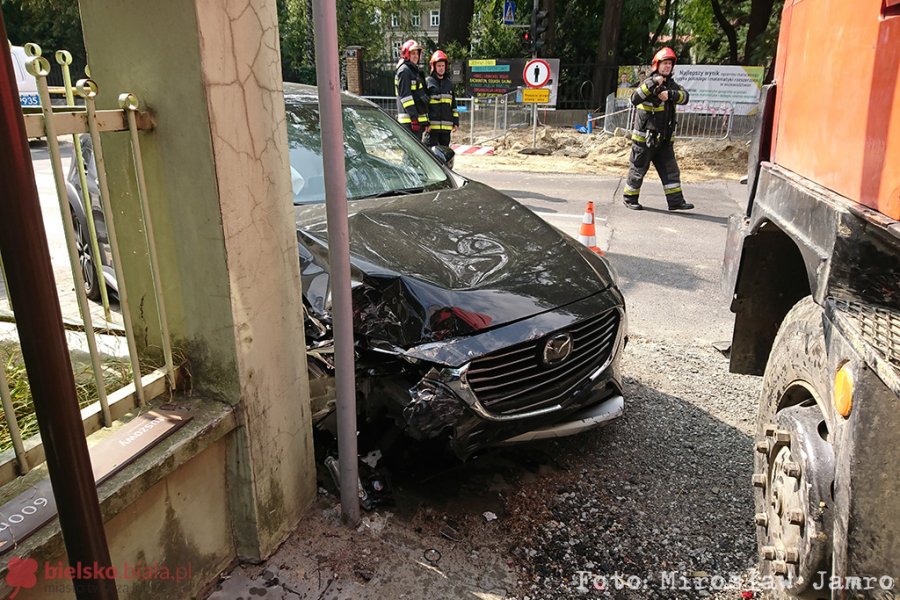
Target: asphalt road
[{"x": 669, "y": 263}]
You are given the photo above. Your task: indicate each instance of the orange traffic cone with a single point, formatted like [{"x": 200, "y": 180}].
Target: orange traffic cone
[{"x": 588, "y": 234}]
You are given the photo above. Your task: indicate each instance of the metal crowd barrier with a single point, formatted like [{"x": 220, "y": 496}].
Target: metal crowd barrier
[{"x": 706, "y": 120}]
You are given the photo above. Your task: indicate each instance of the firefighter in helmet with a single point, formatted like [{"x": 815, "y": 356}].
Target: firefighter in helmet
[
  {"x": 655, "y": 99},
  {"x": 409, "y": 86},
  {"x": 442, "y": 114}
]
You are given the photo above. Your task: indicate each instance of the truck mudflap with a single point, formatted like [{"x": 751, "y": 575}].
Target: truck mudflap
[{"x": 738, "y": 230}]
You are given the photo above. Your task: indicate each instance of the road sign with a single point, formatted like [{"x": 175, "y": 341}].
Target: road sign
[
  {"x": 536, "y": 96},
  {"x": 509, "y": 12},
  {"x": 492, "y": 77},
  {"x": 536, "y": 73}
]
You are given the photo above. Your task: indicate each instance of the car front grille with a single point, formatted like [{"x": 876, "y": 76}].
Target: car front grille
[{"x": 515, "y": 379}]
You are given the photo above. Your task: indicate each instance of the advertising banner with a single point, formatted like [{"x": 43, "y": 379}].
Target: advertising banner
[{"x": 709, "y": 86}]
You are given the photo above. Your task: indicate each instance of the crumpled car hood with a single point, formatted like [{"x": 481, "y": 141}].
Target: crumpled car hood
[{"x": 436, "y": 265}]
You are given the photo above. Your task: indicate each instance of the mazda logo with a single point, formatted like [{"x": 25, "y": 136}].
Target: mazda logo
[{"x": 558, "y": 348}]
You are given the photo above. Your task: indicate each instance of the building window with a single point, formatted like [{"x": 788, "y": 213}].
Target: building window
[
  {"x": 395, "y": 20},
  {"x": 395, "y": 49},
  {"x": 435, "y": 18},
  {"x": 416, "y": 20}
]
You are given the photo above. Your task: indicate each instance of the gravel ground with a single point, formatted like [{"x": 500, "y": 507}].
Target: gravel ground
[
  {"x": 661, "y": 496},
  {"x": 660, "y": 499}
]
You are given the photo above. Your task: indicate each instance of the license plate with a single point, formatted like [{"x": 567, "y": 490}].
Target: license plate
[{"x": 29, "y": 100}]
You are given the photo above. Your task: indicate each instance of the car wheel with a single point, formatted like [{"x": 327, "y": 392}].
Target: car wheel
[
  {"x": 793, "y": 465},
  {"x": 86, "y": 259}
]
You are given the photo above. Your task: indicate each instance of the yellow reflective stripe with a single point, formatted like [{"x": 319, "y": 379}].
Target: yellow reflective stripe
[
  {"x": 434, "y": 100},
  {"x": 650, "y": 107},
  {"x": 423, "y": 118},
  {"x": 638, "y": 138},
  {"x": 645, "y": 90},
  {"x": 408, "y": 103},
  {"x": 404, "y": 118},
  {"x": 629, "y": 192},
  {"x": 447, "y": 100},
  {"x": 673, "y": 191}
]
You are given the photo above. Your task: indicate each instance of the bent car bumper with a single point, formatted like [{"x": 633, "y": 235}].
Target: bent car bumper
[
  {"x": 511, "y": 389},
  {"x": 582, "y": 421}
]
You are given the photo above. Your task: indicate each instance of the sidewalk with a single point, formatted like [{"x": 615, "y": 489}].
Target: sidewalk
[{"x": 387, "y": 556}]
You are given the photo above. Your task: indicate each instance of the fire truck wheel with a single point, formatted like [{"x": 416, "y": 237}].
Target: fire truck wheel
[{"x": 793, "y": 464}]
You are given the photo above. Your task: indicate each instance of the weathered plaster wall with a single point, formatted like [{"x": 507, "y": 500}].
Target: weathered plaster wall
[
  {"x": 242, "y": 76},
  {"x": 180, "y": 523},
  {"x": 219, "y": 185}
]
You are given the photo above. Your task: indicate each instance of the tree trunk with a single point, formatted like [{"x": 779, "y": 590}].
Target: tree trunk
[
  {"x": 729, "y": 30},
  {"x": 760, "y": 13},
  {"x": 456, "y": 15},
  {"x": 661, "y": 26},
  {"x": 604, "y": 77}
]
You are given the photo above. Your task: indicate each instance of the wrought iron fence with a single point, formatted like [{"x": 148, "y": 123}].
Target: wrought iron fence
[
  {"x": 480, "y": 119},
  {"x": 84, "y": 124}
]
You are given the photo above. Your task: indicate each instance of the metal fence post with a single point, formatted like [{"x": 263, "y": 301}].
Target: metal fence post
[
  {"x": 129, "y": 103},
  {"x": 23, "y": 241},
  {"x": 88, "y": 90},
  {"x": 496, "y": 101},
  {"x": 506, "y": 112},
  {"x": 472, "y": 120},
  {"x": 39, "y": 67}
]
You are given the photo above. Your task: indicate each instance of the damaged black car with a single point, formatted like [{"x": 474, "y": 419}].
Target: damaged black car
[{"x": 475, "y": 321}]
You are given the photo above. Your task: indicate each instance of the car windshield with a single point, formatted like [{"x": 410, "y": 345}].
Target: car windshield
[{"x": 380, "y": 157}]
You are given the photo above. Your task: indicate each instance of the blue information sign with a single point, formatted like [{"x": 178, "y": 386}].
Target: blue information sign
[{"x": 509, "y": 12}]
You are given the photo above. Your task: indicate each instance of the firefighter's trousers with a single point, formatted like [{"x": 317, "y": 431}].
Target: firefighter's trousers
[
  {"x": 437, "y": 138},
  {"x": 663, "y": 158}
]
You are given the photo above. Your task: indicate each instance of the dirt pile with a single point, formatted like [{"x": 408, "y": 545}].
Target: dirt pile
[{"x": 604, "y": 154}]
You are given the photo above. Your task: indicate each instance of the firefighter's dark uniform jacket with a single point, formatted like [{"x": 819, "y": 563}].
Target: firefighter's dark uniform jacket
[
  {"x": 655, "y": 121},
  {"x": 442, "y": 114},
  {"x": 412, "y": 99},
  {"x": 654, "y": 129}
]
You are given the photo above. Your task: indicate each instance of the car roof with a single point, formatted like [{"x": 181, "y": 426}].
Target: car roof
[{"x": 300, "y": 93}]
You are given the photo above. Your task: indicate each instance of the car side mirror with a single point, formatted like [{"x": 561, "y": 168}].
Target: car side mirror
[{"x": 444, "y": 154}]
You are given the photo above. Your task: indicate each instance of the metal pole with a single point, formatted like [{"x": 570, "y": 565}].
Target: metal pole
[
  {"x": 9, "y": 412},
  {"x": 537, "y": 6},
  {"x": 472, "y": 120},
  {"x": 506, "y": 112},
  {"x": 87, "y": 89},
  {"x": 40, "y": 68},
  {"x": 23, "y": 242},
  {"x": 328, "y": 77},
  {"x": 64, "y": 59},
  {"x": 5, "y": 284},
  {"x": 129, "y": 103},
  {"x": 496, "y": 110}
]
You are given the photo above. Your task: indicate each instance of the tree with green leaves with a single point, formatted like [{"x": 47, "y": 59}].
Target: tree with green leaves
[
  {"x": 737, "y": 32},
  {"x": 51, "y": 24},
  {"x": 364, "y": 23}
]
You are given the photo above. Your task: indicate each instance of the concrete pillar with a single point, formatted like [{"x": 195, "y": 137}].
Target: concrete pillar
[
  {"x": 353, "y": 56},
  {"x": 219, "y": 186}
]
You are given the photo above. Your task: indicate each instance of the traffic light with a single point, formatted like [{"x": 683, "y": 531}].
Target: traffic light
[
  {"x": 527, "y": 39},
  {"x": 540, "y": 22}
]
